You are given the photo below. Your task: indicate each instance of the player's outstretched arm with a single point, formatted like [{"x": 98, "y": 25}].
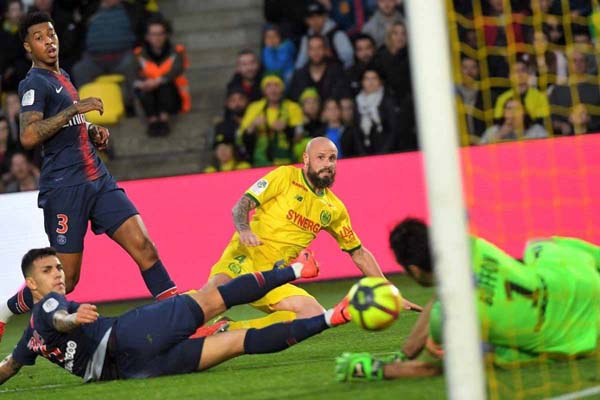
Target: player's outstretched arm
[
  {"x": 65, "y": 322},
  {"x": 365, "y": 261},
  {"x": 34, "y": 129},
  {"x": 8, "y": 368},
  {"x": 241, "y": 218}
]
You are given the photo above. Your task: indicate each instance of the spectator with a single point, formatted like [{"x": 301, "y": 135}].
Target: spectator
[
  {"x": 4, "y": 153},
  {"x": 277, "y": 56},
  {"x": 12, "y": 109},
  {"x": 22, "y": 173},
  {"x": 583, "y": 41},
  {"x": 108, "y": 49},
  {"x": 225, "y": 159},
  {"x": 378, "y": 115},
  {"x": 551, "y": 65},
  {"x": 384, "y": 17},
  {"x": 535, "y": 102},
  {"x": 349, "y": 15},
  {"x": 289, "y": 15},
  {"x": 393, "y": 61},
  {"x": 310, "y": 102},
  {"x": 364, "y": 53},
  {"x": 584, "y": 86},
  {"x": 579, "y": 118},
  {"x": 235, "y": 106},
  {"x": 347, "y": 107},
  {"x": 495, "y": 35},
  {"x": 324, "y": 75},
  {"x": 162, "y": 88},
  {"x": 469, "y": 95},
  {"x": 513, "y": 124},
  {"x": 269, "y": 124},
  {"x": 248, "y": 75},
  {"x": 337, "y": 44},
  {"x": 335, "y": 130},
  {"x": 14, "y": 63},
  {"x": 67, "y": 30}
]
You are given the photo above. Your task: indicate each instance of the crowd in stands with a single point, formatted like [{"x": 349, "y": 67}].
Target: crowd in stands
[
  {"x": 530, "y": 72},
  {"x": 97, "y": 38},
  {"x": 333, "y": 68}
]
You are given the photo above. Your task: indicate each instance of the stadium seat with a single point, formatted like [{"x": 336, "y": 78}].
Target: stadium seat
[{"x": 106, "y": 88}]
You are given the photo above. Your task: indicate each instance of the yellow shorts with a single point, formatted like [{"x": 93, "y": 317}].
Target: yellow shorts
[{"x": 237, "y": 260}]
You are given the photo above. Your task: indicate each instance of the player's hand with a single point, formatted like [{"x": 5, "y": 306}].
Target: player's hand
[
  {"x": 89, "y": 104},
  {"x": 409, "y": 305},
  {"x": 86, "y": 314},
  {"x": 248, "y": 238},
  {"x": 358, "y": 366},
  {"x": 99, "y": 136}
]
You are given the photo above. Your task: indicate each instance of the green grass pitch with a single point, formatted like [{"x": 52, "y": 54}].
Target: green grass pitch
[{"x": 304, "y": 371}]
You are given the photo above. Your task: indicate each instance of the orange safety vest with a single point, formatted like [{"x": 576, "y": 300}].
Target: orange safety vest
[{"x": 151, "y": 70}]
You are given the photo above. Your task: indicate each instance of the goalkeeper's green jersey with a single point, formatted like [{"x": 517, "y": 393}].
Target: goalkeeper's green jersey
[{"x": 549, "y": 303}]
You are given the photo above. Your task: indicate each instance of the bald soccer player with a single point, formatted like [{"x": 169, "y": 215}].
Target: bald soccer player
[{"x": 292, "y": 206}]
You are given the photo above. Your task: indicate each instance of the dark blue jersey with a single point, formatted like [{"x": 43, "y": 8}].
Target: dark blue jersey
[
  {"x": 69, "y": 157},
  {"x": 76, "y": 351}
]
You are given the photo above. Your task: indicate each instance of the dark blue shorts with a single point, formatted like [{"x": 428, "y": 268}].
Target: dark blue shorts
[
  {"x": 67, "y": 211},
  {"x": 152, "y": 340}
]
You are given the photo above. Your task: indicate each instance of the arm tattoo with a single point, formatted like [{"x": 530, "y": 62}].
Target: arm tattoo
[
  {"x": 63, "y": 321},
  {"x": 240, "y": 212},
  {"x": 8, "y": 368},
  {"x": 32, "y": 121}
]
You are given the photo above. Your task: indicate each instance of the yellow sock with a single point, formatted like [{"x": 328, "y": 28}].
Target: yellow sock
[{"x": 273, "y": 318}]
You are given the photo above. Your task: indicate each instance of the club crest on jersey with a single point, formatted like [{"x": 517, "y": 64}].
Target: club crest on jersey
[
  {"x": 61, "y": 239},
  {"x": 259, "y": 186},
  {"x": 325, "y": 217}
]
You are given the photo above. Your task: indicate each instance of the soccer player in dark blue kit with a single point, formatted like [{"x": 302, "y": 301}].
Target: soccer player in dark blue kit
[
  {"x": 75, "y": 186},
  {"x": 152, "y": 340}
]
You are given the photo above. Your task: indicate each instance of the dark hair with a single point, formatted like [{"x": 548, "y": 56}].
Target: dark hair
[
  {"x": 409, "y": 241},
  {"x": 32, "y": 255},
  {"x": 371, "y": 67},
  {"x": 527, "y": 120},
  {"x": 363, "y": 36},
  {"x": 159, "y": 20},
  {"x": 38, "y": 17},
  {"x": 317, "y": 36},
  {"x": 245, "y": 52}
]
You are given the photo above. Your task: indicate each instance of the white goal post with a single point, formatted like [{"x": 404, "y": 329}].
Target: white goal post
[{"x": 429, "y": 48}]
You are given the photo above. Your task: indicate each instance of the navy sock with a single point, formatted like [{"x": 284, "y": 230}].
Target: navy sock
[
  {"x": 21, "y": 302},
  {"x": 278, "y": 337},
  {"x": 251, "y": 287},
  {"x": 159, "y": 282}
]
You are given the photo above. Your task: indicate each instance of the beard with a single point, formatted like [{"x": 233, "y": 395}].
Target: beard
[{"x": 315, "y": 179}]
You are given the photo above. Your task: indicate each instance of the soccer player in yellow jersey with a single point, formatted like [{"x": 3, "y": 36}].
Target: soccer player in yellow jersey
[{"x": 292, "y": 206}]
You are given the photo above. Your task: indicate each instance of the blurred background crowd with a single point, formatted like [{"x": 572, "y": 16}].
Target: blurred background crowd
[{"x": 523, "y": 69}]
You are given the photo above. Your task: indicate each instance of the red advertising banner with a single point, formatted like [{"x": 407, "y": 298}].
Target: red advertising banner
[{"x": 514, "y": 191}]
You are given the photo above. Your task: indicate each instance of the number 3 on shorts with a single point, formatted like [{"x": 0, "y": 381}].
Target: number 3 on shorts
[{"x": 63, "y": 226}]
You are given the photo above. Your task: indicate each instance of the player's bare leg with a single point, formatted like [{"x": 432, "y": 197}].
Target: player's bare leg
[
  {"x": 302, "y": 306},
  {"x": 222, "y": 347},
  {"x": 133, "y": 237},
  {"x": 71, "y": 263}
]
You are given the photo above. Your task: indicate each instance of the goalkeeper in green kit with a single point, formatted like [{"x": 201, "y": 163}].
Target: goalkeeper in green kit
[{"x": 545, "y": 306}]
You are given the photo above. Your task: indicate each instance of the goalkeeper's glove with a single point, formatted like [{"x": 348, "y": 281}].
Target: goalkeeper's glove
[{"x": 360, "y": 366}]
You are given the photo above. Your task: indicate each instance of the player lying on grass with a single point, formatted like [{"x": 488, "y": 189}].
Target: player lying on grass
[
  {"x": 545, "y": 306},
  {"x": 292, "y": 206},
  {"x": 151, "y": 340}
]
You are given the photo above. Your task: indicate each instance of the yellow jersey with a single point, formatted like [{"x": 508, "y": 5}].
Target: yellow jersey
[{"x": 290, "y": 214}]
